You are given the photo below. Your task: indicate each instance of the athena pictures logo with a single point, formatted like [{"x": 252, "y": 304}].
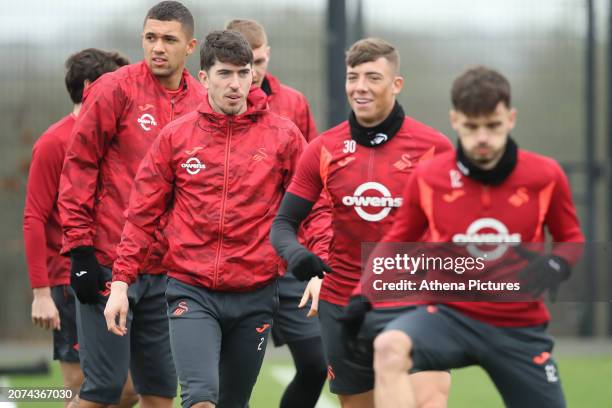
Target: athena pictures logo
[
  {"x": 146, "y": 121},
  {"x": 380, "y": 205},
  {"x": 488, "y": 238},
  {"x": 193, "y": 165}
]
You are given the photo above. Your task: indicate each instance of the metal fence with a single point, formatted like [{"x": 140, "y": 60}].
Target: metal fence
[{"x": 541, "y": 47}]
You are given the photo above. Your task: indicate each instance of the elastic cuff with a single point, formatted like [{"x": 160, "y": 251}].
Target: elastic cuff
[
  {"x": 85, "y": 251},
  {"x": 70, "y": 245},
  {"x": 565, "y": 267},
  {"x": 123, "y": 277}
]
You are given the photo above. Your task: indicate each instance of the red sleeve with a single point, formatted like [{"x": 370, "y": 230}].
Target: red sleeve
[
  {"x": 315, "y": 231},
  {"x": 96, "y": 126},
  {"x": 306, "y": 123},
  {"x": 444, "y": 145},
  {"x": 410, "y": 222},
  {"x": 41, "y": 196},
  {"x": 561, "y": 220},
  {"x": 291, "y": 153},
  {"x": 149, "y": 199},
  {"x": 307, "y": 182}
]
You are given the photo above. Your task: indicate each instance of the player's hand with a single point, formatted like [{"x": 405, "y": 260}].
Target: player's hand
[
  {"x": 44, "y": 311},
  {"x": 312, "y": 292},
  {"x": 305, "y": 265},
  {"x": 352, "y": 320},
  {"x": 544, "y": 272},
  {"x": 86, "y": 278},
  {"x": 117, "y": 304}
]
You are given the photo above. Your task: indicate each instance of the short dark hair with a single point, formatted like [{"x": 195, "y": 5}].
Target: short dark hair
[
  {"x": 371, "y": 49},
  {"x": 172, "y": 11},
  {"x": 89, "y": 64},
  {"x": 479, "y": 90},
  {"x": 225, "y": 46}
]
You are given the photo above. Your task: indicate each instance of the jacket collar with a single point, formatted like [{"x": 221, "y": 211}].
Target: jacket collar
[
  {"x": 185, "y": 80},
  {"x": 256, "y": 105},
  {"x": 497, "y": 174},
  {"x": 381, "y": 133},
  {"x": 271, "y": 85}
]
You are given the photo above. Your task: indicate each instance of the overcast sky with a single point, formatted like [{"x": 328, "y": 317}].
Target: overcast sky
[{"x": 38, "y": 20}]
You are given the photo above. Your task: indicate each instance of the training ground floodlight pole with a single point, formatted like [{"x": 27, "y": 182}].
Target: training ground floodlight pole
[
  {"x": 336, "y": 46},
  {"x": 609, "y": 162},
  {"x": 586, "y": 327}
]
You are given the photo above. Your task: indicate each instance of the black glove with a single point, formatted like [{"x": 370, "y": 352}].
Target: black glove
[
  {"x": 352, "y": 319},
  {"x": 543, "y": 272},
  {"x": 86, "y": 278},
  {"x": 304, "y": 265}
]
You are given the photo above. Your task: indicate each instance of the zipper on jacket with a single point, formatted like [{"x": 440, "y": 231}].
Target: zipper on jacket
[
  {"x": 171, "y": 109},
  {"x": 223, "y": 202}
]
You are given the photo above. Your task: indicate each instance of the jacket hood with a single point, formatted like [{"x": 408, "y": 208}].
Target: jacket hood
[
  {"x": 186, "y": 77},
  {"x": 275, "y": 85}
]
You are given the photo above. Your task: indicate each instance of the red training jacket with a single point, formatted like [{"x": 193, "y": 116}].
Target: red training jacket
[
  {"x": 364, "y": 187},
  {"x": 292, "y": 104},
  {"x": 122, "y": 114},
  {"x": 220, "y": 180},
  {"x": 41, "y": 221},
  {"x": 440, "y": 203}
]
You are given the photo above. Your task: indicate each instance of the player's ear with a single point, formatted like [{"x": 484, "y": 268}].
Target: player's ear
[
  {"x": 268, "y": 52},
  {"x": 191, "y": 46},
  {"x": 453, "y": 117},
  {"x": 512, "y": 117},
  {"x": 203, "y": 77},
  {"x": 398, "y": 84}
]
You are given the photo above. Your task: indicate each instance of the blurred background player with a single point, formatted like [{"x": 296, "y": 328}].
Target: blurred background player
[
  {"x": 489, "y": 180},
  {"x": 53, "y": 306},
  {"x": 220, "y": 174},
  {"x": 121, "y": 116},
  {"x": 362, "y": 165},
  {"x": 291, "y": 325},
  {"x": 282, "y": 99}
]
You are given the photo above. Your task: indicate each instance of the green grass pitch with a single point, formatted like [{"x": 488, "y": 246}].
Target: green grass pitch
[{"x": 586, "y": 382}]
